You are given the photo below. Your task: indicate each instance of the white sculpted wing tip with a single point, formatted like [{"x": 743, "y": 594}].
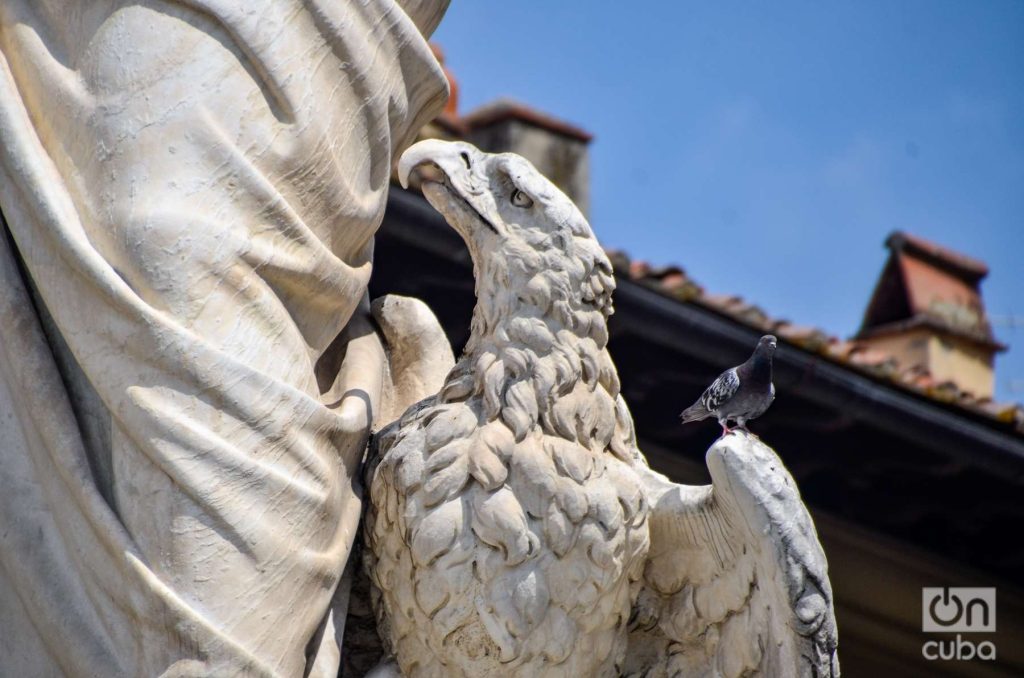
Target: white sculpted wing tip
[
  {"x": 738, "y": 562},
  {"x": 419, "y": 356}
]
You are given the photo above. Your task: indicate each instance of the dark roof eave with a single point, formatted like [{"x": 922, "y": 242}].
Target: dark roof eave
[{"x": 900, "y": 413}]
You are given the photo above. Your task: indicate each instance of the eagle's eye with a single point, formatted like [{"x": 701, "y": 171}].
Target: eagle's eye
[{"x": 520, "y": 199}]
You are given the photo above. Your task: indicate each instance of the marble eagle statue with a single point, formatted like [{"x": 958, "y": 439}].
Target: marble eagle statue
[{"x": 515, "y": 529}]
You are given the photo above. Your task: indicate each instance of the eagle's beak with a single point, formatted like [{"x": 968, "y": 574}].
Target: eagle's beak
[
  {"x": 462, "y": 196},
  {"x": 453, "y": 158}
]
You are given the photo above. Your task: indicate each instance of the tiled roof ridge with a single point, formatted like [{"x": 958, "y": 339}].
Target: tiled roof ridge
[
  {"x": 504, "y": 108},
  {"x": 672, "y": 281},
  {"x": 959, "y": 263}
]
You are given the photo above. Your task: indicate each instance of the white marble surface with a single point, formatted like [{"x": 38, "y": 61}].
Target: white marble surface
[{"x": 193, "y": 187}]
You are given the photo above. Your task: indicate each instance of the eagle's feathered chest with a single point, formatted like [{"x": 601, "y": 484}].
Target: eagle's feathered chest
[{"x": 507, "y": 546}]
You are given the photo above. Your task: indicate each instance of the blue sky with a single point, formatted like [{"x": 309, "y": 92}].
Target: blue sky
[{"x": 769, "y": 147}]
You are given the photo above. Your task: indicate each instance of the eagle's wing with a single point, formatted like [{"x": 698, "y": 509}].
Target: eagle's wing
[
  {"x": 721, "y": 390},
  {"x": 419, "y": 356},
  {"x": 736, "y": 582}
]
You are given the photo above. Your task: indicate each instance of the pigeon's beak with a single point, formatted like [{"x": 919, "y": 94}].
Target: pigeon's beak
[{"x": 460, "y": 193}]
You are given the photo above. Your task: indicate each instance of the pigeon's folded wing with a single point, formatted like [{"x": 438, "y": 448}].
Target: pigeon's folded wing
[
  {"x": 721, "y": 390},
  {"x": 736, "y": 582}
]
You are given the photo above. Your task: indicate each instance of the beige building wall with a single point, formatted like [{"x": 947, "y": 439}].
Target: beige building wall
[
  {"x": 946, "y": 358},
  {"x": 963, "y": 362},
  {"x": 908, "y": 348}
]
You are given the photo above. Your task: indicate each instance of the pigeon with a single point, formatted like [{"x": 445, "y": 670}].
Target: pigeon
[{"x": 739, "y": 394}]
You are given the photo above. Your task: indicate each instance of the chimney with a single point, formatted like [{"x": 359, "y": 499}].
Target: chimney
[
  {"x": 926, "y": 311},
  {"x": 557, "y": 149},
  {"x": 451, "y": 107}
]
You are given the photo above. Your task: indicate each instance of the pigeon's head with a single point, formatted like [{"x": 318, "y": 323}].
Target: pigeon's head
[
  {"x": 528, "y": 240},
  {"x": 766, "y": 345}
]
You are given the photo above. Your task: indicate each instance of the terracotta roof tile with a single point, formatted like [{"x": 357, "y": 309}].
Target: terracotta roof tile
[
  {"x": 507, "y": 109},
  {"x": 840, "y": 349},
  {"x": 738, "y": 308},
  {"x": 804, "y": 336},
  {"x": 969, "y": 267},
  {"x": 874, "y": 362},
  {"x": 673, "y": 282}
]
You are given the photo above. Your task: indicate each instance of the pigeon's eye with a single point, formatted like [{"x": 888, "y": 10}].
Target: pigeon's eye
[{"x": 520, "y": 199}]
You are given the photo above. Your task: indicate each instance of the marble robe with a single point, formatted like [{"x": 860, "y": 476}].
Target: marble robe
[{"x": 187, "y": 372}]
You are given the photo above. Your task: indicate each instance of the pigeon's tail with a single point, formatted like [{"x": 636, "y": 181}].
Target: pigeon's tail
[{"x": 694, "y": 412}]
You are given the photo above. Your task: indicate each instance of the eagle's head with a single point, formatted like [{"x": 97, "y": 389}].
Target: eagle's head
[
  {"x": 543, "y": 287},
  {"x": 531, "y": 246}
]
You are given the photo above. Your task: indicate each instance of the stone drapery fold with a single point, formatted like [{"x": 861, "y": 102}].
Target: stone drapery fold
[{"x": 187, "y": 372}]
